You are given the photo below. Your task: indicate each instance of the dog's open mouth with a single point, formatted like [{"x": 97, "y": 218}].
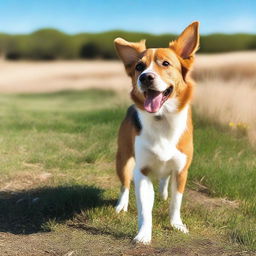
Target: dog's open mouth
[{"x": 155, "y": 99}]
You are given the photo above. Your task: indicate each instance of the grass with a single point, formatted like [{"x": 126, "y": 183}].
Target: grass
[
  {"x": 226, "y": 165},
  {"x": 57, "y": 169}
]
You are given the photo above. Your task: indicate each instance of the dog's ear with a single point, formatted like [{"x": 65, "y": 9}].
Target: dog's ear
[
  {"x": 188, "y": 42},
  {"x": 129, "y": 52}
]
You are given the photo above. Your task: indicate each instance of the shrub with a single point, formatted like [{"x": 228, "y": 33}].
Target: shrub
[{"x": 90, "y": 51}]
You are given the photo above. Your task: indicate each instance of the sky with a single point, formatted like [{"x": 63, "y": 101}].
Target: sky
[{"x": 157, "y": 17}]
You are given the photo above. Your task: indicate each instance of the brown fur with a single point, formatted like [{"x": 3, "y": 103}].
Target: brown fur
[
  {"x": 125, "y": 154},
  {"x": 145, "y": 171},
  {"x": 185, "y": 145}
]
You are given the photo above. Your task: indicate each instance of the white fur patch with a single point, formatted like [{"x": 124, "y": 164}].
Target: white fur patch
[{"x": 156, "y": 145}]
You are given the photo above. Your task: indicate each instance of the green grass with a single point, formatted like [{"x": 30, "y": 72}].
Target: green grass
[
  {"x": 226, "y": 165},
  {"x": 71, "y": 137}
]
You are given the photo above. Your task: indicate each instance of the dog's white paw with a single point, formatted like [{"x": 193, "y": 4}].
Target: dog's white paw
[
  {"x": 123, "y": 201},
  {"x": 143, "y": 238},
  {"x": 180, "y": 226},
  {"x": 122, "y": 206},
  {"x": 164, "y": 194}
]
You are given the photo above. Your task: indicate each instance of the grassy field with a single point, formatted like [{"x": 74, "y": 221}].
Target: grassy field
[
  {"x": 58, "y": 186},
  {"x": 225, "y": 94}
]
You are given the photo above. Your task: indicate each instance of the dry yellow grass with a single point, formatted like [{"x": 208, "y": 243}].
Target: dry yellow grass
[
  {"x": 226, "y": 90},
  {"x": 51, "y": 76},
  {"x": 227, "y": 66}
]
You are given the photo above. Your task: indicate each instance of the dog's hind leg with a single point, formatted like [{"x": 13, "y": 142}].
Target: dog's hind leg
[
  {"x": 124, "y": 167},
  {"x": 163, "y": 187},
  {"x": 125, "y": 157}
]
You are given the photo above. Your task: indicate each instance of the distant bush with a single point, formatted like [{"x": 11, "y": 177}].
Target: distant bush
[
  {"x": 13, "y": 55},
  {"x": 50, "y": 44},
  {"x": 252, "y": 44},
  {"x": 89, "y": 51}
]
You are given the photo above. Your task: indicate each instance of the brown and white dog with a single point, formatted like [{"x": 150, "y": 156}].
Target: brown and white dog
[{"x": 156, "y": 136}]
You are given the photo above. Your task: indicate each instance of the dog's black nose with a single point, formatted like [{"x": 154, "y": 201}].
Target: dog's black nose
[{"x": 147, "y": 78}]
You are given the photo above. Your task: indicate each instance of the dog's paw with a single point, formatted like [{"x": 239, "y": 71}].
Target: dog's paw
[
  {"x": 122, "y": 206},
  {"x": 123, "y": 201},
  {"x": 143, "y": 238},
  {"x": 180, "y": 226}
]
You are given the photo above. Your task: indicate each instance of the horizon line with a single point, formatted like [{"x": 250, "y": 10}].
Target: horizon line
[{"x": 120, "y": 30}]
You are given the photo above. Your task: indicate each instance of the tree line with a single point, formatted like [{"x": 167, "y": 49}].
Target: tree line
[{"x": 51, "y": 44}]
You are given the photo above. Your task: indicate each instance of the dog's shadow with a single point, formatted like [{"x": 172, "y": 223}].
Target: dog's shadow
[{"x": 29, "y": 211}]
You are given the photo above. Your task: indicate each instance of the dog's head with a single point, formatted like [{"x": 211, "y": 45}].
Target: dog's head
[{"x": 160, "y": 76}]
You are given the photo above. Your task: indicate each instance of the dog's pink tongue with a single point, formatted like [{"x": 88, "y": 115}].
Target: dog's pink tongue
[{"x": 153, "y": 101}]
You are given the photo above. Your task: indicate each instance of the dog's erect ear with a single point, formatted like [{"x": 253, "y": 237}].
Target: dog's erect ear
[
  {"x": 188, "y": 42},
  {"x": 129, "y": 52}
]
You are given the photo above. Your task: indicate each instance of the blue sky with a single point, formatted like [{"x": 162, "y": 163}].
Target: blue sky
[{"x": 162, "y": 16}]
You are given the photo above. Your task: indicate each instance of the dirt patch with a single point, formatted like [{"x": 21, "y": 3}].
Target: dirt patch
[
  {"x": 65, "y": 242},
  {"x": 210, "y": 203},
  {"x": 26, "y": 180},
  {"x": 75, "y": 242}
]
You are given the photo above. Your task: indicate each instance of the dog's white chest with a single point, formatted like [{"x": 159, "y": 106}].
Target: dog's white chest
[
  {"x": 162, "y": 149},
  {"x": 155, "y": 147}
]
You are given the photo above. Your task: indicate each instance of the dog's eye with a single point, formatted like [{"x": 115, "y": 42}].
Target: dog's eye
[
  {"x": 140, "y": 66},
  {"x": 166, "y": 63}
]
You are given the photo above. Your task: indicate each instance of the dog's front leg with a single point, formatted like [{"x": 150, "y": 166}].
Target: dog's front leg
[{"x": 145, "y": 200}]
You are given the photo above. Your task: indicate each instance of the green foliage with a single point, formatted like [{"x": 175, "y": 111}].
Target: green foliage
[
  {"x": 89, "y": 50},
  {"x": 226, "y": 43},
  {"x": 49, "y": 44}
]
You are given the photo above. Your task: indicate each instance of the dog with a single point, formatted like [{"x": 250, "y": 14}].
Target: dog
[{"x": 156, "y": 137}]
